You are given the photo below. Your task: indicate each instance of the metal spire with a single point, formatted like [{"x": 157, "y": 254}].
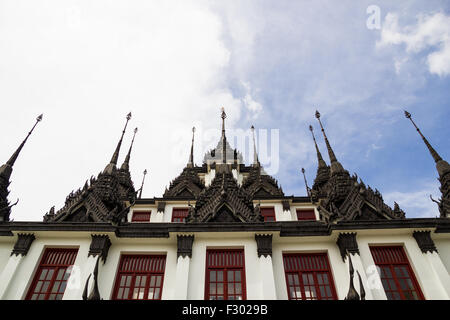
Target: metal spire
[
  {"x": 126, "y": 163},
  {"x": 335, "y": 165},
  {"x": 224, "y": 138},
  {"x": 433, "y": 152},
  {"x": 255, "y": 154},
  {"x": 6, "y": 169},
  {"x": 308, "y": 190},
  {"x": 319, "y": 155},
  {"x": 191, "y": 156},
  {"x": 112, "y": 164},
  {"x": 142, "y": 185}
]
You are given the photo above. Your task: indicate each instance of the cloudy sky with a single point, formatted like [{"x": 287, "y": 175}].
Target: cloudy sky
[{"x": 173, "y": 64}]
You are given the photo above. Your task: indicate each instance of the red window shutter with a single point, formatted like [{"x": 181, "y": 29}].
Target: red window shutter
[
  {"x": 225, "y": 275},
  {"x": 306, "y": 214},
  {"x": 268, "y": 213},
  {"x": 140, "y": 277},
  {"x": 308, "y": 276},
  {"x": 396, "y": 274},
  {"x": 50, "y": 280},
  {"x": 179, "y": 214},
  {"x": 141, "y": 216}
]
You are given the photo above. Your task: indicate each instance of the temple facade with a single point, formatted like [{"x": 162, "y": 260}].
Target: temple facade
[{"x": 224, "y": 230}]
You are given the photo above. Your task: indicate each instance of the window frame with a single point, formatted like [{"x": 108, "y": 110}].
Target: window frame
[
  {"x": 184, "y": 209},
  {"x": 138, "y": 212},
  {"x": 71, "y": 256},
  {"x": 402, "y": 261},
  {"x": 268, "y": 215},
  {"x": 312, "y": 217},
  {"x": 315, "y": 272},
  {"x": 134, "y": 273},
  {"x": 225, "y": 268}
]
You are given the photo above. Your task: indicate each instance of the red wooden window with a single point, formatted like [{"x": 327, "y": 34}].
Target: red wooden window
[
  {"x": 306, "y": 214},
  {"x": 51, "y": 277},
  {"x": 396, "y": 274},
  {"x": 225, "y": 275},
  {"x": 179, "y": 214},
  {"x": 268, "y": 213},
  {"x": 308, "y": 276},
  {"x": 140, "y": 277},
  {"x": 141, "y": 216}
]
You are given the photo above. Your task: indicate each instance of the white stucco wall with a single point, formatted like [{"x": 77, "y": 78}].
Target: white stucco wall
[
  {"x": 428, "y": 279},
  {"x": 443, "y": 248}
]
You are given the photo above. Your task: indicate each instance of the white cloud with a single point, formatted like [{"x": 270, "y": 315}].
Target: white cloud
[
  {"x": 431, "y": 33},
  {"x": 85, "y": 65},
  {"x": 416, "y": 203}
]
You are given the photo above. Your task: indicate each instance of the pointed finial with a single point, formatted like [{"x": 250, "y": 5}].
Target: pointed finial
[
  {"x": 142, "y": 185},
  {"x": 191, "y": 157},
  {"x": 112, "y": 164},
  {"x": 126, "y": 163},
  {"x": 13, "y": 158},
  {"x": 335, "y": 165},
  {"x": 319, "y": 155},
  {"x": 224, "y": 138},
  {"x": 433, "y": 152},
  {"x": 255, "y": 154}
]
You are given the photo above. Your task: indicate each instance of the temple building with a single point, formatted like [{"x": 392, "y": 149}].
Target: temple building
[{"x": 225, "y": 230}]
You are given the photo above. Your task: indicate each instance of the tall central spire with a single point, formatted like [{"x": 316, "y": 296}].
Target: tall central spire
[
  {"x": 191, "y": 156},
  {"x": 224, "y": 138},
  {"x": 112, "y": 164},
  {"x": 335, "y": 165}
]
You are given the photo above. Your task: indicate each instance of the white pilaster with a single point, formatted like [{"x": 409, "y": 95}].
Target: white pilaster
[
  {"x": 442, "y": 276},
  {"x": 182, "y": 277},
  {"x": 78, "y": 277},
  {"x": 8, "y": 273},
  {"x": 267, "y": 278}
]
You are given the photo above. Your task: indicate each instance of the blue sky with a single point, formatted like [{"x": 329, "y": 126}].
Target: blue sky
[{"x": 269, "y": 63}]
